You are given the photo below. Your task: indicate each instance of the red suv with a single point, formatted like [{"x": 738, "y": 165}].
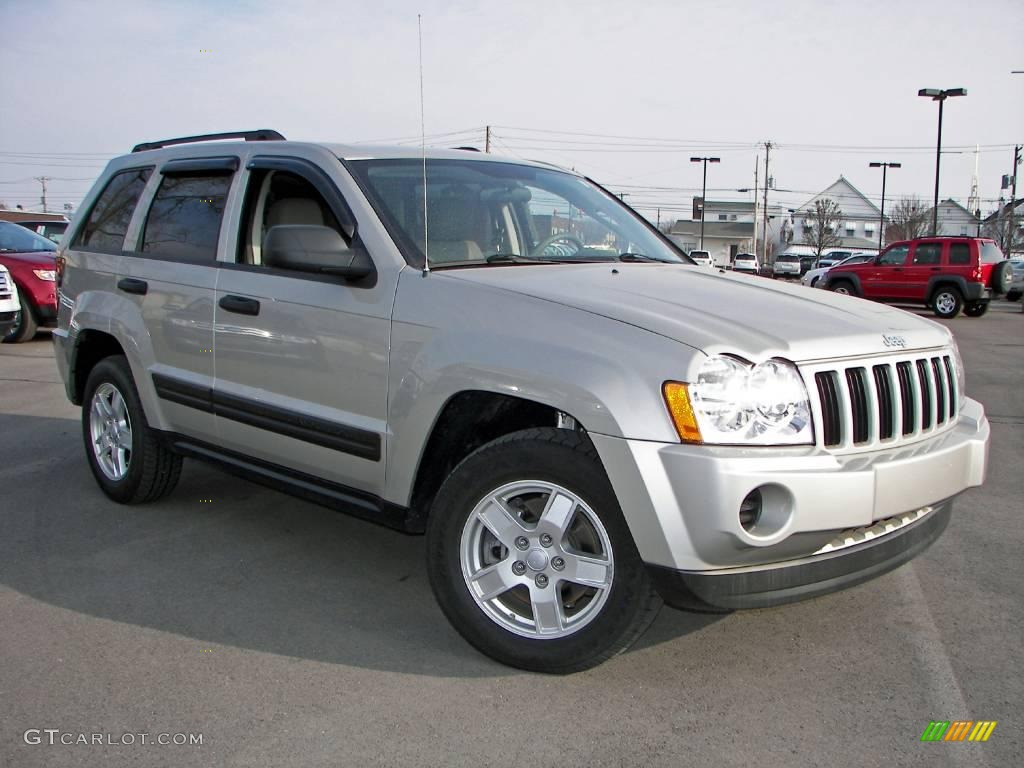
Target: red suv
[
  {"x": 30, "y": 259},
  {"x": 946, "y": 274}
]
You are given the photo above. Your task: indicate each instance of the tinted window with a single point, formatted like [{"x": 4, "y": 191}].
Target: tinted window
[
  {"x": 896, "y": 256},
  {"x": 960, "y": 253},
  {"x": 184, "y": 220},
  {"x": 105, "y": 228},
  {"x": 928, "y": 253},
  {"x": 18, "y": 239},
  {"x": 990, "y": 253}
]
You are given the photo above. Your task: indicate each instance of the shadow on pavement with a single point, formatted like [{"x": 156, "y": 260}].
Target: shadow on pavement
[{"x": 226, "y": 561}]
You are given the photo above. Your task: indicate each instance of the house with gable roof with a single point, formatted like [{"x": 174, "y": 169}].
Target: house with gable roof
[{"x": 859, "y": 225}]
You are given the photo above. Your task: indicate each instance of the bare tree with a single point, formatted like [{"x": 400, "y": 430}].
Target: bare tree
[
  {"x": 908, "y": 218},
  {"x": 998, "y": 228},
  {"x": 666, "y": 226},
  {"x": 821, "y": 228}
]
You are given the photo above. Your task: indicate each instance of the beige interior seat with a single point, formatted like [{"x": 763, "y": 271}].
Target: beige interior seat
[{"x": 295, "y": 210}]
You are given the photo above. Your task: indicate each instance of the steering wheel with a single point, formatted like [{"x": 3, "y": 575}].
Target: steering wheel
[{"x": 562, "y": 237}]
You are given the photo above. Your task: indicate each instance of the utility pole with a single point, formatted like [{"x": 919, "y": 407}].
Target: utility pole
[
  {"x": 764, "y": 226},
  {"x": 487, "y": 140},
  {"x": 1013, "y": 200},
  {"x": 659, "y": 220},
  {"x": 881, "y": 214},
  {"x": 42, "y": 181},
  {"x": 703, "y": 192},
  {"x": 754, "y": 248}
]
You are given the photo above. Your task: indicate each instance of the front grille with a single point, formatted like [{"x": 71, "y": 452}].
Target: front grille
[{"x": 889, "y": 402}]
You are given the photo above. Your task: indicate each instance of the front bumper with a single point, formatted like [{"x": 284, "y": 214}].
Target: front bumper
[
  {"x": 792, "y": 580},
  {"x": 682, "y": 501}
]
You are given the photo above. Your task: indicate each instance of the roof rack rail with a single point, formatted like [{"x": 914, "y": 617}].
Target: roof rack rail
[{"x": 263, "y": 134}]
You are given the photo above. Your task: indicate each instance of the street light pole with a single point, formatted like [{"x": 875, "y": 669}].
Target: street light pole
[
  {"x": 940, "y": 96},
  {"x": 704, "y": 191},
  {"x": 881, "y": 223}
]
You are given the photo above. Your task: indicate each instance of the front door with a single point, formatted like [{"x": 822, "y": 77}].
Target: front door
[
  {"x": 884, "y": 278},
  {"x": 302, "y": 358}
]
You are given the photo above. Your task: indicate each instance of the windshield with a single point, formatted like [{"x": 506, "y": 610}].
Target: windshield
[
  {"x": 481, "y": 212},
  {"x": 20, "y": 240}
]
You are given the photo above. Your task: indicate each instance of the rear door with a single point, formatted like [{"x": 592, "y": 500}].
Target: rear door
[
  {"x": 171, "y": 275},
  {"x": 925, "y": 263},
  {"x": 302, "y": 358},
  {"x": 883, "y": 279}
]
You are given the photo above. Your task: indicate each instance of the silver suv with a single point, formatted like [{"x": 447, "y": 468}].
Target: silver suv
[{"x": 504, "y": 356}]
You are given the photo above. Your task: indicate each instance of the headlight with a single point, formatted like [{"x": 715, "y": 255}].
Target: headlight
[
  {"x": 733, "y": 402},
  {"x": 45, "y": 274}
]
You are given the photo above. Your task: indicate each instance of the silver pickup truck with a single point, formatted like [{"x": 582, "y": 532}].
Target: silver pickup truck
[{"x": 503, "y": 355}]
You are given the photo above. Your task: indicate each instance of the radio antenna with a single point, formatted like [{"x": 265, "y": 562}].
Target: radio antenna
[{"x": 423, "y": 152}]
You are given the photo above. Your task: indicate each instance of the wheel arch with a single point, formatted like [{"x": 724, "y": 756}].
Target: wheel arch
[
  {"x": 936, "y": 282},
  {"x": 91, "y": 346},
  {"x": 850, "y": 277}
]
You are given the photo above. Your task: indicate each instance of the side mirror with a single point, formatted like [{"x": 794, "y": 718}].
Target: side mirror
[{"x": 320, "y": 250}]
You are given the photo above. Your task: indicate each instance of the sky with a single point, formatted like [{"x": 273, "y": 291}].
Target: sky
[{"x": 623, "y": 91}]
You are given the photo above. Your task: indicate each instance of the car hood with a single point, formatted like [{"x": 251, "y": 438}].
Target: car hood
[{"x": 718, "y": 311}]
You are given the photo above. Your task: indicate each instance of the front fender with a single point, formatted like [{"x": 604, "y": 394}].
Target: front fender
[{"x": 452, "y": 336}]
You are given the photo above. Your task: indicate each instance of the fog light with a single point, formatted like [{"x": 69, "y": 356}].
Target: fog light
[{"x": 750, "y": 509}]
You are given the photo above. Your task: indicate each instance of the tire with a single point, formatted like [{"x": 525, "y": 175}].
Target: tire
[
  {"x": 947, "y": 302},
  {"x": 25, "y": 326},
  {"x": 527, "y": 470},
  {"x": 976, "y": 309},
  {"x": 843, "y": 287},
  {"x": 1012, "y": 295},
  {"x": 814, "y": 281},
  {"x": 1002, "y": 277},
  {"x": 133, "y": 466}
]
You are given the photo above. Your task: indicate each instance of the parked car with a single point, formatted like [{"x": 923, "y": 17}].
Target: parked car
[
  {"x": 812, "y": 277},
  {"x": 946, "y": 274},
  {"x": 746, "y": 262},
  {"x": 30, "y": 259},
  {"x": 51, "y": 230},
  {"x": 579, "y": 439},
  {"x": 1017, "y": 283},
  {"x": 786, "y": 265},
  {"x": 702, "y": 257},
  {"x": 9, "y": 304},
  {"x": 806, "y": 263}
]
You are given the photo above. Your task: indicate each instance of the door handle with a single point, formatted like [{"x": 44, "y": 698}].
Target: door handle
[
  {"x": 133, "y": 285},
  {"x": 897, "y": 269},
  {"x": 239, "y": 305},
  {"x": 936, "y": 269}
]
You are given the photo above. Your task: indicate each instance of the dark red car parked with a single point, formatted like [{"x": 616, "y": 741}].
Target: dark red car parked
[
  {"x": 946, "y": 274},
  {"x": 30, "y": 259}
]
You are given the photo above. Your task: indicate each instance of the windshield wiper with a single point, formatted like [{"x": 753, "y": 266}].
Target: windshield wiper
[
  {"x": 639, "y": 257},
  {"x": 512, "y": 258}
]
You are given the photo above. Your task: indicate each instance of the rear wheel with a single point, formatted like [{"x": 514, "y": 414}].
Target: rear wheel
[
  {"x": 25, "y": 325},
  {"x": 844, "y": 287},
  {"x": 947, "y": 302},
  {"x": 976, "y": 309},
  {"x": 531, "y": 559},
  {"x": 127, "y": 459}
]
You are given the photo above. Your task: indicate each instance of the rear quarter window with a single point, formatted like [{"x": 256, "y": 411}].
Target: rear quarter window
[
  {"x": 107, "y": 223},
  {"x": 990, "y": 253}
]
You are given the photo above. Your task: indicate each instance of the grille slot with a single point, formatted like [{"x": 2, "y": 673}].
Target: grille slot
[
  {"x": 886, "y": 402},
  {"x": 855, "y": 380},
  {"x": 889, "y": 402},
  {"x": 828, "y": 394},
  {"x": 926, "y": 394}
]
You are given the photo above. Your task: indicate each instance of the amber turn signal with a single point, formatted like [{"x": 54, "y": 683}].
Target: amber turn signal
[{"x": 677, "y": 398}]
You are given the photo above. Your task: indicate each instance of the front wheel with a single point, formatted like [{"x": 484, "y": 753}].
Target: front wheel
[
  {"x": 977, "y": 309},
  {"x": 25, "y": 325},
  {"x": 947, "y": 303},
  {"x": 843, "y": 287},
  {"x": 531, "y": 559}
]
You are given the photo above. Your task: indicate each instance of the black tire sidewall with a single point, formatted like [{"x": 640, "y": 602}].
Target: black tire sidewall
[
  {"x": 480, "y": 474},
  {"x": 26, "y": 326},
  {"x": 1002, "y": 277},
  {"x": 850, "y": 291},
  {"x": 116, "y": 371}
]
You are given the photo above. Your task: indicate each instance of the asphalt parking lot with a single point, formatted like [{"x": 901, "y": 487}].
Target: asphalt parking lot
[{"x": 287, "y": 634}]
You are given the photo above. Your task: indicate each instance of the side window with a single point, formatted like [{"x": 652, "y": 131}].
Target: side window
[
  {"x": 960, "y": 253},
  {"x": 108, "y": 220},
  {"x": 927, "y": 253},
  {"x": 895, "y": 257},
  {"x": 279, "y": 197},
  {"x": 184, "y": 221}
]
